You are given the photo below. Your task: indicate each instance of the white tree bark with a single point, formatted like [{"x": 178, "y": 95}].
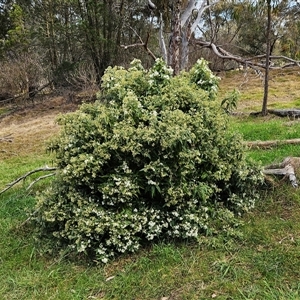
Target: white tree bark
[
  {"x": 185, "y": 24},
  {"x": 162, "y": 43}
]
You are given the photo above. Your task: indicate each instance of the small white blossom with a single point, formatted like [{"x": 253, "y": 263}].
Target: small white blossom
[
  {"x": 104, "y": 260},
  {"x": 151, "y": 182}
]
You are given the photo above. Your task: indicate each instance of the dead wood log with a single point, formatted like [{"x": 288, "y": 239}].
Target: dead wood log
[
  {"x": 294, "y": 113},
  {"x": 288, "y": 172},
  {"x": 44, "y": 169},
  {"x": 287, "y": 168},
  {"x": 286, "y": 112},
  {"x": 272, "y": 143}
]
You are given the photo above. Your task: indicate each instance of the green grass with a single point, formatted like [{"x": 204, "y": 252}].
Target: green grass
[
  {"x": 283, "y": 89},
  {"x": 262, "y": 263},
  {"x": 268, "y": 128},
  {"x": 17, "y": 166},
  {"x": 263, "y": 129}
]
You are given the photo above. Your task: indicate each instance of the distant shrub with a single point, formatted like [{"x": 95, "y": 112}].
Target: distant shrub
[{"x": 153, "y": 159}]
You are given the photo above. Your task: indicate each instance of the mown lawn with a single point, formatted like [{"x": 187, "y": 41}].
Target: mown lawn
[{"x": 262, "y": 262}]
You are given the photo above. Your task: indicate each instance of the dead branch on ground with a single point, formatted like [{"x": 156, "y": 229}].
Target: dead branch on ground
[
  {"x": 272, "y": 143},
  {"x": 287, "y": 168},
  {"x": 38, "y": 179},
  {"x": 44, "y": 169},
  {"x": 286, "y": 112},
  {"x": 252, "y": 62},
  {"x": 293, "y": 112}
]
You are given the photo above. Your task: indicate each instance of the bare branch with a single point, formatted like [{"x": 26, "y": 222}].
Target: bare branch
[
  {"x": 151, "y": 5},
  {"x": 201, "y": 10},
  {"x": 249, "y": 62},
  {"x": 288, "y": 172},
  {"x": 45, "y": 169},
  {"x": 141, "y": 44},
  {"x": 286, "y": 168},
  {"x": 38, "y": 179},
  {"x": 28, "y": 219}
]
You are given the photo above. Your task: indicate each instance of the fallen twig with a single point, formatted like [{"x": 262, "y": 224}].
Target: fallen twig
[
  {"x": 28, "y": 219},
  {"x": 38, "y": 179},
  {"x": 44, "y": 169}
]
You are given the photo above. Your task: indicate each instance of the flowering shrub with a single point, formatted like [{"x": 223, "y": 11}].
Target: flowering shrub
[{"x": 153, "y": 159}]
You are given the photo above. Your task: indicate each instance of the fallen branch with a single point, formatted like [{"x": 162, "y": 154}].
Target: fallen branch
[
  {"x": 14, "y": 97},
  {"x": 29, "y": 218},
  {"x": 38, "y": 179},
  {"x": 288, "y": 172},
  {"x": 288, "y": 112},
  {"x": 253, "y": 62},
  {"x": 272, "y": 143},
  {"x": 285, "y": 112},
  {"x": 44, "y": 169},
  {"x": 286, "y": 168}
]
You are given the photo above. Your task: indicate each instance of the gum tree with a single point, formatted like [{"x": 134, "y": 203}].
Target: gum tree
[{"x": 181, "y": 19}]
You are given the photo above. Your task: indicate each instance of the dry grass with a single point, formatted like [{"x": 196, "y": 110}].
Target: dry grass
[
  {"x": 30, "y": 127},
  {"x": 283, "y": 88}
]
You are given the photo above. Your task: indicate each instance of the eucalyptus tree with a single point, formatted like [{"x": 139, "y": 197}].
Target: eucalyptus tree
[
  {"x": 186, "y": 16},
  {"x": 176, "y": 22}
]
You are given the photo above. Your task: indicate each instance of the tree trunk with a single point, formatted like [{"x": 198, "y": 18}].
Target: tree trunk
[
  {"x": 264, "y": 111},
  {"x": 176, "y": 39}
]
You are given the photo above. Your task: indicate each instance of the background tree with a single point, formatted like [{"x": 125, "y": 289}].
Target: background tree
[
  {"x": 257, "y": 32},
  {"x": 64, "y": 37},
  {"x": 268, "y": 53},
  {"x": 290, "y": 41},
  {"x": 5, "y": 22}
]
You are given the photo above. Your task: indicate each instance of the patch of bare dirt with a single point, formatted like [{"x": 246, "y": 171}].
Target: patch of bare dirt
[{"x": 30, "y": 127}]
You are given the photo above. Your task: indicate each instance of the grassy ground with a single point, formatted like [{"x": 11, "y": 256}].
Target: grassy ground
[{"x": 263, "y": 263}]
